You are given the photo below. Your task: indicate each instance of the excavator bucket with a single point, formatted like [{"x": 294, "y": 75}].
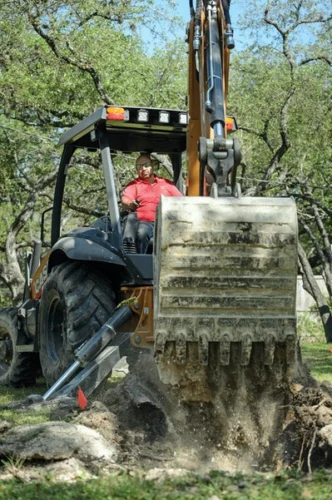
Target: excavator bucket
[{"x": 225, "y": 279}]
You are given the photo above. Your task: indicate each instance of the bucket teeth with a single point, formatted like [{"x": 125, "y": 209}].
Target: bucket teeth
[
  {"x": 181, "y": 349},
  {"x": 160, "y": 340},
  {"x": 225, "y": 350},
  {"x": 290, "y": 349},
  {"x": 203, "y": 349},
  {"x": 246, "y": 346},
  {"x": 269, "y": 348}
]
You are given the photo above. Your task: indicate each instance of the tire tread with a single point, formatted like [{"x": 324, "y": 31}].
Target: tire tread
[
  {"x": 88, "y": 300},
  {"x": 22, "y": 371}
]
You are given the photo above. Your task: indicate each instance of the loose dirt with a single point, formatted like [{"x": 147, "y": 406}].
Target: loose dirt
[{"x": 259, "y": 419}]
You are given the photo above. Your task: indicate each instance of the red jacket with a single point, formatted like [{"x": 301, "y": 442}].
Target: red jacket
[{"x": 149, "y": 195}]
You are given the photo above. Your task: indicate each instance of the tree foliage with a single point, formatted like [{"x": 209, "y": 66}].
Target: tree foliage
[
  {"x": 60, "y": 60},
  {"x": 282, "y": 95}
]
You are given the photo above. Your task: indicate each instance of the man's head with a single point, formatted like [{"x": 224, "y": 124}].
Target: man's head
[{"x": 144, "y": 167}]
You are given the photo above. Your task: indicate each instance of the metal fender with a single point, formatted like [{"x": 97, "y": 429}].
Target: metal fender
[{"x": 84, "y": 250}]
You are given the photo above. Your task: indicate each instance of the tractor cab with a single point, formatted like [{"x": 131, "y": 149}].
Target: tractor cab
[{"x": 100, "y": 138}]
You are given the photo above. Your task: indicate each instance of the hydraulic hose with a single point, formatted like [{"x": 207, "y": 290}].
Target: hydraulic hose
[
  {"x": 191, "y": 7},
  {"x": 229, "y": 30},
  {"x": 197, "y": 25},
  {"x": 226, "y": 6},
  {"x": 215, "y": 94}
]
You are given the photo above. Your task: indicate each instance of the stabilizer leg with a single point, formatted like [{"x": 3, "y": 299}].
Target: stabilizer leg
[{"x": 92, "y": 356}]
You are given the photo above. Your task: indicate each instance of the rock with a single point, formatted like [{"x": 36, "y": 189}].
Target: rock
[
  {"x": 324, "y": 416},
  {"x": 6, "y": 476},
  {"x": 160, "y": 475},
  {"x": 325, "y": 435},
  {"x": 62, "y": 407},
  {"x": 56, "y": 441},
  {"x": 34, "y": 398},
  {"x": 23, "y": 474},
  {"x": 67, "y": 471},
  {"x": 5, "y": 426},
  {"x": 325, "y": 442},
  {"x": 294, "y": 388},
  {"x": 99, "y": 417}
]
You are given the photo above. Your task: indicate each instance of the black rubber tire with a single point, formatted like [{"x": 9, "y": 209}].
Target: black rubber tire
[
  {"x": 76, "y": 302},
  {"x": 17, "y": 369}
]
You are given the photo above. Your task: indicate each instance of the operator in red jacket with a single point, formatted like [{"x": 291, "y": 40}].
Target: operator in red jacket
[{"x": 142, "y": 196}]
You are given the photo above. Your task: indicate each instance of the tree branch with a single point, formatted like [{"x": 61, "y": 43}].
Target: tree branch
[
  {"x": 78, "y": 62},
  {"x": 308, "y": 60},
  {"x": 280, "y": 152},
  {"x": 310, "y": 285}
]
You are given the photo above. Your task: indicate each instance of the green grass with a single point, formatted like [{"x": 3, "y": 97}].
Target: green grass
[
  {"x": 310, "y": 328},
  {"x": 316, "y": 355},
  {"x": 26, "y": 416},
  {"x": 286, "y": 486},
  {"x": 318, "y": 358}
]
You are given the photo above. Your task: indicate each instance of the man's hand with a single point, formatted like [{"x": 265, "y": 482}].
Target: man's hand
[
  {"x": 133, "y": 205},
  {"x": 130, "y": 204}
]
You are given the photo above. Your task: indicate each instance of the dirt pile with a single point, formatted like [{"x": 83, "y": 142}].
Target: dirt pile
[
  {"x": 56, "y": 441},
  {"x": 256, "y": 421},
  {"x": 306, "y": 438}
]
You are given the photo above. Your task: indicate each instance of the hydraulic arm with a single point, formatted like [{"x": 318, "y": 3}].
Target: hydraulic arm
[
  {"x": 210, "y": 41},
  {"x": 225, "y": 265}
]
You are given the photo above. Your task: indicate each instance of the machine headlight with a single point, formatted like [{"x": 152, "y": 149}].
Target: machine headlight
[
  {"x": 143, "y": 115},
  {"x": 163, "y": 117},
  {"x": 183, "y": 118}
]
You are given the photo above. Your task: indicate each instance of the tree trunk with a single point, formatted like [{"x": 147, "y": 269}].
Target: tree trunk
[
  {"x": 310, "y": 285},
  {"x": 10, "y": 271}
]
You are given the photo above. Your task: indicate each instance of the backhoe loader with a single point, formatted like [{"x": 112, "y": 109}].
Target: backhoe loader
[{"x": 214, "y": 301}]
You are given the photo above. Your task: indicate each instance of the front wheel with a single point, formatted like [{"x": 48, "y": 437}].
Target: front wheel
[
  {"x": 76, "y": 302},
  {"x": 17, "y": 369}
]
